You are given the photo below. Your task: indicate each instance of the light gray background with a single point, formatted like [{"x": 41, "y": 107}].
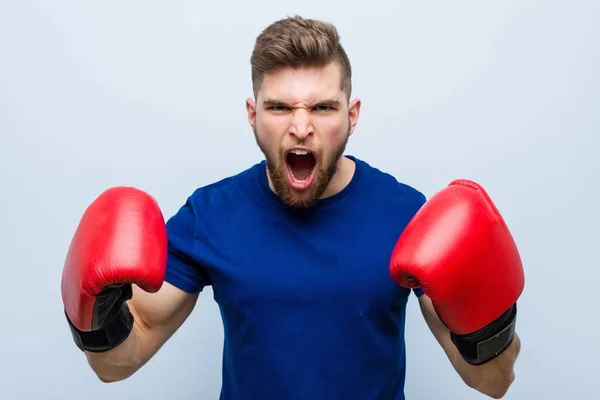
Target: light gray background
[{"x": 97, "y": 94}]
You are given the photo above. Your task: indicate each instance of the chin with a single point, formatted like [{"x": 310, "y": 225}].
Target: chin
[{"x": 301, "y": 177}]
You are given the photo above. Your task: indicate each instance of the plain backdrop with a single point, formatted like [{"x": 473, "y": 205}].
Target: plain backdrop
[{"x": 149, "y": 94}]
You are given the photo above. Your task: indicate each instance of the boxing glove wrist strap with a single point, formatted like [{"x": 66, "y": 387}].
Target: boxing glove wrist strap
[
  {"x": 112, "y": 334},
  {"x": 489, "y": 342}
]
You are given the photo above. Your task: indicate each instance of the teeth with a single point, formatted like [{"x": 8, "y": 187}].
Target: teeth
[{"x": 299, "y": 152}]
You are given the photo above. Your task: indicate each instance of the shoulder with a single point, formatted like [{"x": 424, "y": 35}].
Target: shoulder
[
  {"x": 385, "y": 184},
  {"x": 210, "y": 208},
  {"x": 224, "y": 192}
]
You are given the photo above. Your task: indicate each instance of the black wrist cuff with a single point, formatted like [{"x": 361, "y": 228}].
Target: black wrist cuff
[
  {"x": 112, "y": 334},
  {"x": 489, "y": 342}
]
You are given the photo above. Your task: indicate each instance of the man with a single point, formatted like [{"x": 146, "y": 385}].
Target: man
[{"x": 298, "y": 249}]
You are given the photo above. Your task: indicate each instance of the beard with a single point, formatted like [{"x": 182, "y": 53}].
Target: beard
[{"x": 326, "y": 164}]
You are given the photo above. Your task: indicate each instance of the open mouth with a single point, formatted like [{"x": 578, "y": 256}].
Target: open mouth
[{"x": 301, "y": 168}]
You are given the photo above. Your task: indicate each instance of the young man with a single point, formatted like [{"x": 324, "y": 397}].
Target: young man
[{"x": 298, "y": 249}]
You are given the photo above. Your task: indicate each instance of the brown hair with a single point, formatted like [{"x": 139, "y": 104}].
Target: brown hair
[{"x": 298, "y": 43}]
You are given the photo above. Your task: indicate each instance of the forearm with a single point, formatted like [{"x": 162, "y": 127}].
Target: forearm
[
  {"x": 492, "y": 378},
  {"x": 119, "y": 363},
  {"x": 128, "y": 357}
]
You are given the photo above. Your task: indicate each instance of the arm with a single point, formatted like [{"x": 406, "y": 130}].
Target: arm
[
  {"x": 156, "y": 318},
  {"x": 129, "y": 280},
  {"x": 492, "y": 378}
]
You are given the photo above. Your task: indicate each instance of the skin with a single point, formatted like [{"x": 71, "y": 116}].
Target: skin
[
  {"x": 294, "y": 107},
  {"x": 305, "y": 108},
  {"x": 493, "y": 378}
]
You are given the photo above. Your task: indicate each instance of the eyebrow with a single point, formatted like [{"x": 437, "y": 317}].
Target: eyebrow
[
  {"x": 272, "y": 103},
  {"x": 328, "y": 103}
]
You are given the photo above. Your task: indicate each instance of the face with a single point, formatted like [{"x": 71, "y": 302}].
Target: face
[{"x": 302, "y": 120}]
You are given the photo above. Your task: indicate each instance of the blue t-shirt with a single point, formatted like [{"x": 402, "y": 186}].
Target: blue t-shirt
[{"x": 308, "y": 305}]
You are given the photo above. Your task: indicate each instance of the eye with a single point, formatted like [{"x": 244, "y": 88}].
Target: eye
[
  {"x": 278, "y": 108},
  {"x": 323, "y": 108}
]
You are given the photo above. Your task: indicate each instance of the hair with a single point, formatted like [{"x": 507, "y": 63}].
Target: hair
[{"x": 295, "y": 42}]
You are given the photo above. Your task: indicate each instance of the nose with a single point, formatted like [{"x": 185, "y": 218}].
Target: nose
[{"x": 301, "y": 124}]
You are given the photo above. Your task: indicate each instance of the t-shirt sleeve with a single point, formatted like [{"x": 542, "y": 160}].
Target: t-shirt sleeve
[{"x": 183, "y": 269}]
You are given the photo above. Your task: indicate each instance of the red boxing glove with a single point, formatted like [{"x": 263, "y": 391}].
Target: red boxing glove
[
  {"x": 458, "y": 248},
  {"x": 121, "y": 240}
]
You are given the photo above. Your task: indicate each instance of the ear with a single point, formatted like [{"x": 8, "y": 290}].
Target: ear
[
  {"x": 353, "y": 113},
  {"x": 251, "y": 110}
]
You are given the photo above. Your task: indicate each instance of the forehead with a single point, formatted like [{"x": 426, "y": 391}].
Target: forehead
[{"x": 307, "y": 84}]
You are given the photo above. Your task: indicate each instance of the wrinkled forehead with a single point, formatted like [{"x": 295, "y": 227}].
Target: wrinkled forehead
[{"x": 294, "y": 85}]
